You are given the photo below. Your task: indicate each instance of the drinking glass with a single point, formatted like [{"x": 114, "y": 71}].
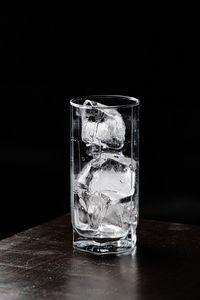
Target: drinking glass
[{"x": 104, "y": 173}]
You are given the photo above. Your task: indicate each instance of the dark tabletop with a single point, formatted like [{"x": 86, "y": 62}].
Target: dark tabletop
[{"x": 41, "y": 264}]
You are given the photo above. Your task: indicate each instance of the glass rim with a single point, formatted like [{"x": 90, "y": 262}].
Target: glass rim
[{"x": 133, "y": 101}]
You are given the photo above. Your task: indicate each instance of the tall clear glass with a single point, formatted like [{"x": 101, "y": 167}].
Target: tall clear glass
[{"x": 104, "y": 173}]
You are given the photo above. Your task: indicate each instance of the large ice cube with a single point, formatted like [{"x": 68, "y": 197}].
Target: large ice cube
[
  {"x": 102, "y": 126},
  {"x": 111, "y": 174}
]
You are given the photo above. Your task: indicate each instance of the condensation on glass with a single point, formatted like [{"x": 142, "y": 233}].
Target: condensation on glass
[{"x": 104, "y": 173}]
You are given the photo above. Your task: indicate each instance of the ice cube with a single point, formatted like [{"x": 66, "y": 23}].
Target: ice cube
[
  {"x": 90, "y": 211},
  {"x": 113, "y": 219},
  {"x": 102, "y": 126},
  {"x": 118, "y": 218},
  {"x": 111, "y": 174},
  {"x": 81, "y": 219}
]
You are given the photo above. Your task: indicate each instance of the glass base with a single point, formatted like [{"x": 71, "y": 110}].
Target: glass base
[{"x": 124, "y": 245}]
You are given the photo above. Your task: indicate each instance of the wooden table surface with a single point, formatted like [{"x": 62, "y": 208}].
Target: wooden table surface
[{"x": 41, "y": 264}]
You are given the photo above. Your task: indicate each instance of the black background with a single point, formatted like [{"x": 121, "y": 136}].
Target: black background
[{"x": 49, "y": 56}]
